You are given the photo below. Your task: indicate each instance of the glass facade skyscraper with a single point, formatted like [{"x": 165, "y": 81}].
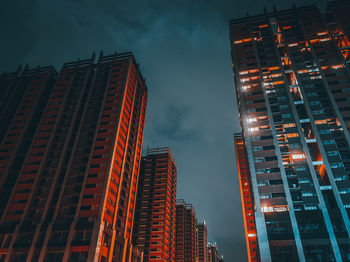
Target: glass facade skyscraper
[{"x": 292, "y": 77}]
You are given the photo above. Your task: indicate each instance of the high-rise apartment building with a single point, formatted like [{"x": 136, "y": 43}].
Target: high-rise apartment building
[
  {"x": 292, "y": 78},
  {"x": 155, "y": 225},
  {"x": 70, "y": 156},
  {"x": 213, "y": 255},
  {"x": 202, "y": 242},
  {"x": 186, "y": 232}
]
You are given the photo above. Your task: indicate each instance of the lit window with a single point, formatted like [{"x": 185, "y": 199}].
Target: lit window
[
  {"x": 265, "y": 196},
  {"x": 263, "y": 182},
  {"x": 289, "y": 125},
  {"x": 293, "y": 135},
  {"x": 298, "y": 156},
  {"x": 336, "y": 165},
  {"x": 306, "y": 194},
  {"x": 325, "y": 132},
  {"x": 340, "y": 178},
  {"x": 332, "y": 153},
  {"x": 252, "y": 129},
  {"x": 267, "y": 209},
  {"x": 258, "y": 148},
  {"x": 316, "y": 77},
  {"x": 250, "y": 120},
  {"x": 337, "y": 66},
  {"x": 344, "y": 191},
  {"x": 328, "y": 142},
  {"x": 310, "y": 207},
  {"x": 259, "y": 159},
  {"x": 286, "y": 115},
  {"x": 320, "y": 122},
  {"x": 304, "y": 181}
]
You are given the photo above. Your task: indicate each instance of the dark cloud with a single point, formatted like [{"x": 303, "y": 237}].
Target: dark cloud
[{"x": 184, "y": 51}]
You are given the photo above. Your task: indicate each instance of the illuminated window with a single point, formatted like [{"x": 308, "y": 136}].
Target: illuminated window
[
  {"x": 305, "y": 194},
  {"x": 267, "y": 209},
  {"x": 328, "y": 142},
  {"x": 259, "y": 159},
  {"x": 298, "y": 156},
  {"x": 308, "y": 207},
  {"x": 337, "y": 66},
  {"x": 293, "y": 135},
  {"x": 258, "y": 148},
  {"x": 252, "y": 129},
  {"x": 250, "y": 120},
  {"x": 300, "y": 168},
  {"x": 320, "y": 122},
  {"x": 340, "y": 178},
  {"x": 336, "y": 165},
  {"x": 344, "y": 191},
  {"x": 263, "y": 183},
  {"x": 286, "y": 115},
  {"x": 289, "y": 125},
  {"x": 332, "y": 153},
  {"x": 303, "y": 181},
  {"x": 324, "y": 131},
  {"x": 265, "y": 196}
]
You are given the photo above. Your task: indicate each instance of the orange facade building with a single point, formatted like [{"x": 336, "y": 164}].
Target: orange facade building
[
  {"x": 154, "y": 229},
  {"x": 246, "y": 197},
  {"x": 202, "y": 242},
  {"x": 70, "y": 154},
  {"x": 186, "y": 233}
]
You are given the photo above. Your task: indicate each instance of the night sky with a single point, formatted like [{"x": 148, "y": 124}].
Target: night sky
[{"x": 184, "y": 53}]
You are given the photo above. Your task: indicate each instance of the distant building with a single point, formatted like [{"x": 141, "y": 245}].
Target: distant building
[
  {"x": 202, "y": 242},
  {"x": 155, "y": 217},
  {"x": 213, "y": 255},
  {"x": 292, "y": 79},
  {"x": 221, "y": 259},
  {"x": 186, "y": 232},
  {"x": 70, "y": 153}
]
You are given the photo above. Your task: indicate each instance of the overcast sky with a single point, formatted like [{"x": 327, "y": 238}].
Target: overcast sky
[{"x": 184, "y": 52}]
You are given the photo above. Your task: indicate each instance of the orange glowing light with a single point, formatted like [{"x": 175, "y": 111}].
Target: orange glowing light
[
  {"x": 293, "y": 135},
  {"x": 337, "y": 66},
  {"x": 289, "y": 125},
  {"x": 243, "y": 41},
  {"x": 320, "y": 122}
]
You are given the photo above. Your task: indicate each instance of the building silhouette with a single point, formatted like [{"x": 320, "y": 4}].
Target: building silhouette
[
  {"x": 155, "y": 225},
  {"x": 292, "y": 78},
  {"x": 70, "y": 156}
]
